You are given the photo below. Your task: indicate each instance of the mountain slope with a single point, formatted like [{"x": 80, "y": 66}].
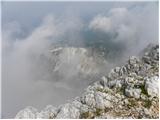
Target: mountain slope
[
  {"x": 68, "y": 63},
  {"x": 129, "y": 91}
]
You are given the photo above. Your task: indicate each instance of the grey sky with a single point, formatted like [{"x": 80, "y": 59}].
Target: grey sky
[{"x": 30, "y": 14}]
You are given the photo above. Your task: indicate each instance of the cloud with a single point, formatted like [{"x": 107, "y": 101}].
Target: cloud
[
  {"x": 19, "y": 62},
  {"x": 28, "y": 76},
  {"x": 27, "y": 72},
  {"x": 127, "y": 26},
  {"x": 116, "y": 17},
  {"x": 101, "y": 23}
]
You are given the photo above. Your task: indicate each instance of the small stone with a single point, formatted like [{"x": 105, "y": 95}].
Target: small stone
[
  {"x": 101, "y": 102},
  {"x": 112, "y": 83},
  {"x": 126, "y": 101},
  {"x": 143, "y": 97},
  {"x": 123, "y": 70},
  {"x": 133, "y": 60},
  {"x": 97, "y": 85},
  {"x": 88, "y": 99},
  {"x": 130, "y": 92},
  {"x": 146, "y": 111},
  {"x": 120, "y": 106},
  {"x": 104, "y": 81},
  {"x": 77, "y": 104},
  {"x": 84, "y": 109},
  {"x": 117, "y": 69},
  {"x": 119, "y": 83},
  {"x": 152, "y": 85},
  {"x": 112, "y": 74}
]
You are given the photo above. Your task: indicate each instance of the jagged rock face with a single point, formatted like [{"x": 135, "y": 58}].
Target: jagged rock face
[
  {"x": 48, "y": 112},
  {"x": 68, "y": 111},
  {"x": 129, "y": 91},
  {"x": 28, "y": 112}
]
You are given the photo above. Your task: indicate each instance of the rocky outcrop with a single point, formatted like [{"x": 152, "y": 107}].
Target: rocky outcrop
[
  {"x": 77, "y": 59},
  {"x": 129, "y": 91}
]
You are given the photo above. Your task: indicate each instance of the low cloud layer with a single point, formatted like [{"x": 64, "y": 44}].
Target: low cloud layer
[{"x": 27, "y": 76}]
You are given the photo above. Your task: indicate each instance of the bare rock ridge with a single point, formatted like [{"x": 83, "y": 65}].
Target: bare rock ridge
[{"x": 129, "y": 91}]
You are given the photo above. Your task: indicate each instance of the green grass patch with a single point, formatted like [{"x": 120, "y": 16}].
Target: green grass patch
[
  {"x": 147, "y": 103},
  {"x": 99, "y": 111},
  {"x": 87, "y": 115},
  {"x": 132, "y": 103},
  {"x": 143, "y": 90}
]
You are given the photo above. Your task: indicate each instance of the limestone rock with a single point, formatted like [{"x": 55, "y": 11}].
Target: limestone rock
[
  {"x": 88, "y": 99},
  {"x": 48, "y": 113},
  {"x": 77, "y": 103},
  {"x": 104, "y": 81},
  {"x": 68, "y": 111},
  {"x": 101, "y": 102},
  {"x": 130, "y": 92},
  {"x": 27, "y": 113},
  {"x": 152, "y": 86}
]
